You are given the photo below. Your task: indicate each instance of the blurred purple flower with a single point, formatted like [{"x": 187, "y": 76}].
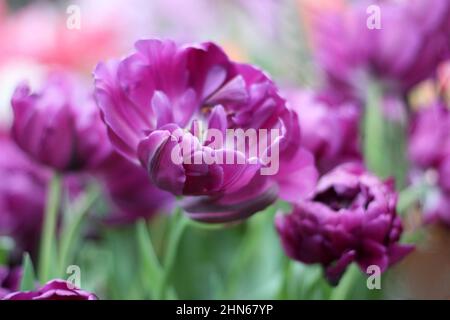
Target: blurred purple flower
[
  {"x": 23, "y": 188},
  {"x": 59, "y": 126},
  {"x": 350, "y": 218},
  {"x": 154, "y": 101},
  {"x": 429, "y": 144},
  {"x": 410, "y": 43},
  {"x": 9, "y": 280},
  {"x": 436, "y": 207},
  {"x": 330, "y": 131},
  {"x": 130, "y": 191},
  {"x": 22, "y": 195},
  {"x": 429, "y": 150},
  {"x": 53, "y": 290}
]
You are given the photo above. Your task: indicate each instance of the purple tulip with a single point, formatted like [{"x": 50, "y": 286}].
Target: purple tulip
[
  {"x": 9, "y": 280},
  {"x": 59, "y": 126},
  {"x": 53, "y": 290},
  {"x": 429, "y": 150},
  {"x": 132, "y": 195},
  {"x": 161, "y": 102},
  {"x": 330, "y": 131},
  {"x": 429, "y": 144},
  {"x": 22, "y": 195},
  {"x": 350, "y": 218},
  {"x": 411, "y": 42}
]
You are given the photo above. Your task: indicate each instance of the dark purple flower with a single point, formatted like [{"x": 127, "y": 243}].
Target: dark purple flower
[
  {"x": 411, "y": 42},
  {"x": 53, "y": 290},
  {"x": 158, "y": 103},
  {"x": 22, "y": 195},
  {"x": 9, "y": 280},
  {"x": 131, "y": 193},
  {"x": 59, "y": 126},
  {"x": 330, "y": 131},
  {"x": 350, "y": 218}
]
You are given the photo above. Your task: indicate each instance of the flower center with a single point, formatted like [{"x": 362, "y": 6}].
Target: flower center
[{"x": 348, "y": 198}]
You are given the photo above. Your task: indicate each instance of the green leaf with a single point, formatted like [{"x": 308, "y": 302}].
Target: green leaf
[
  {"x": 347, "y": 284},
  {"x": 71, "y": 233},
  {"x": 121, "y": 270},
  {"x": 151, "y": 268},
  {"x": 28, "y": 278}
]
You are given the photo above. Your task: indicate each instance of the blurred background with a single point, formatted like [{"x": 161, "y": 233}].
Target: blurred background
[{"x": 35, "y": 36}]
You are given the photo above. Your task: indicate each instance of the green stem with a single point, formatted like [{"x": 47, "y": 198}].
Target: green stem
[
  {"x": 177, "y": 228},
  {"x": 48, "y": 232},
  {"x": 28, "y": 281},
  {"x": 384, "y": 139},
  {"x": 72, "y": 228},
  {"x": 6, "y": 246},
  {"x": 374, "y": 156}
]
